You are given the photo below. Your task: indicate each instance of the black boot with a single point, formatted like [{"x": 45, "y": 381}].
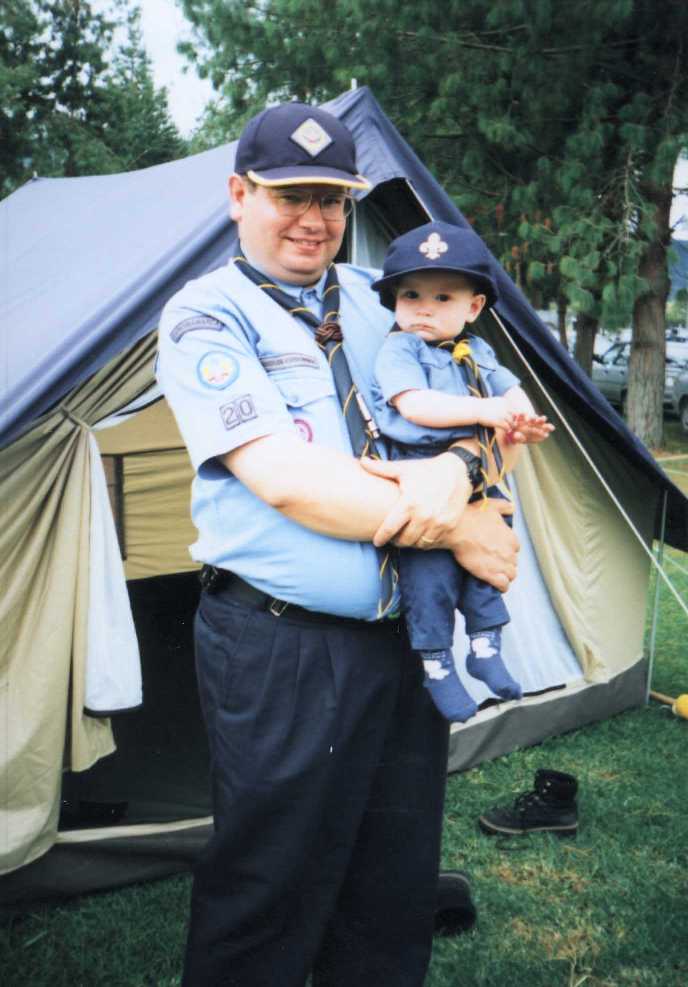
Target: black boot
[
  {"x": 549, "y": 808},
  {"x": 455, "y": 911}
]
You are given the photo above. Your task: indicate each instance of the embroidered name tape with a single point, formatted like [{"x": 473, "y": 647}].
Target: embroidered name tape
[
  {"x": 194, "y": 324},
  {"x": 311, "y": 137},
  {"x": 285, "y": 361},
  {"x": 217, "y": 370}
]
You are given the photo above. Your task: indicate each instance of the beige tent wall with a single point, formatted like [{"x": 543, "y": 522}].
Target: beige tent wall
[
  {"x": 44, "y": 570},
  {"x": 595, "y": 568},
  {"x": 157, "y": 475}
]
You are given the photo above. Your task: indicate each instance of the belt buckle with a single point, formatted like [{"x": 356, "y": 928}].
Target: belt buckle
[{"x": 277, "y": 607}]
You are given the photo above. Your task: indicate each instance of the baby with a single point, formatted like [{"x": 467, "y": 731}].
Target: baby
[{"x": 437, "y": 387}]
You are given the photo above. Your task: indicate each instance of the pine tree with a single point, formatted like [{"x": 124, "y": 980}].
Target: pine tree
[
  {"x": 557, "y": 135},
  {"x": 73, "y": 102}
]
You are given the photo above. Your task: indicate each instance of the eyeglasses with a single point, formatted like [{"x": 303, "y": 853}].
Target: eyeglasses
[{"x": 294, "y": 202}]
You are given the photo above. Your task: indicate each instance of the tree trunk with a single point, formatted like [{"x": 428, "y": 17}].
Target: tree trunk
[
  {"x": 586, "y": 330},
  {"x": 648, "y": 348},
  {"x": 561, "y": 320}
]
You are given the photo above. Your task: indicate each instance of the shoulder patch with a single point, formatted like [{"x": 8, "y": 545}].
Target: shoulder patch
[
  {"x": 193, "y": 324},
  {"x": 217, "y": 370}
]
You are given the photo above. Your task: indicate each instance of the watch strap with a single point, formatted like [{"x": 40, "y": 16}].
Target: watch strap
[{"x": 473, "y": 465}]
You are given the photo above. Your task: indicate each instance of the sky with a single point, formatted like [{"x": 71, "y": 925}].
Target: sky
[{"x": 164, "y": 26}]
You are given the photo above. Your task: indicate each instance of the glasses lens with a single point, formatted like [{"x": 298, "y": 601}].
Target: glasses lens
[
  {"x": 336, "y": 206},
  {"x": 291, "y": 203},
  {"x": 333, "y": 206}
]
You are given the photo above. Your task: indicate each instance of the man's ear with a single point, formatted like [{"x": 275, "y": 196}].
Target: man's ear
[
  {"x": 476, "y": 307},
  {"x": 237, "y": 194}
]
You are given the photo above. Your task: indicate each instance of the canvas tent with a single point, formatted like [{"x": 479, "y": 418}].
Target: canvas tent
[{"x": 87, "y": 265}]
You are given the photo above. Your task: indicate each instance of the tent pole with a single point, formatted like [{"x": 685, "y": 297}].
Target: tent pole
[{"x": 655, "y": 609}]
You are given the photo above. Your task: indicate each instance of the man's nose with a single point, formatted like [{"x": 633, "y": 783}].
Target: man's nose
[{"x": 313, "y": 215}]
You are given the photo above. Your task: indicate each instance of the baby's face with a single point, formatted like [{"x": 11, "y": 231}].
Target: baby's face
[{"x": 436, "y": 305}]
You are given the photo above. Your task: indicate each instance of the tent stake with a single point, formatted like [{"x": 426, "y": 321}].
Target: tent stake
[{"x": 655, "y": 609}]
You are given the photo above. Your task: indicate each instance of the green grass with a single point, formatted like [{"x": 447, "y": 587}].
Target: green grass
[
  {"x": 673, "y": 456},
  {"x": 608, "y": 909}
]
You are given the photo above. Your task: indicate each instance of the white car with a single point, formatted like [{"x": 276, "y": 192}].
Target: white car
[{"x": 610, "y": 371}]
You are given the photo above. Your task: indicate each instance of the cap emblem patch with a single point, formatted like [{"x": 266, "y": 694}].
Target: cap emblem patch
[
  {"x": 311, "y": 137},
  {"x": 433, "y": 247}
]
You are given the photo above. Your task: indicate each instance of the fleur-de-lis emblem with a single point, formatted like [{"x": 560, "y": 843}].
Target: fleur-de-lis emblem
[{"x": 433, "y": 247}]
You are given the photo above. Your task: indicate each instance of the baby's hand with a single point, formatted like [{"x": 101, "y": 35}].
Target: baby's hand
[
  {"x": 528, "y": 430},
  {"x": 495, "y": 413}
]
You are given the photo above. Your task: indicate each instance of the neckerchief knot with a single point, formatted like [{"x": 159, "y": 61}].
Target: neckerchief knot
[
  {"x": 327, "y": 331},
  {"x": 462, "y": 351}
]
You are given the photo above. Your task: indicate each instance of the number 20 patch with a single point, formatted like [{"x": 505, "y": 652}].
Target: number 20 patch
[{"x": 241, "y": 409}]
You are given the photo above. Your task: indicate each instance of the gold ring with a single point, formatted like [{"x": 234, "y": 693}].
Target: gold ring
[{"x": 428, "y": 541}]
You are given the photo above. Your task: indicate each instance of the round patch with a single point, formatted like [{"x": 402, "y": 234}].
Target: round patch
[
  {"x": 217, "y": 370},
  {"x": 305, "y": 431}
]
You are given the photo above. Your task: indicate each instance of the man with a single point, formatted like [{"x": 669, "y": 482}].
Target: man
[{"x": 328, "y": 758}]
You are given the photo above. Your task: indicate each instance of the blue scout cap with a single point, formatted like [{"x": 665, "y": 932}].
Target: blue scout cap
[
  {"x": 293, "y": 144},
  {"x": 438, "y": 247}
]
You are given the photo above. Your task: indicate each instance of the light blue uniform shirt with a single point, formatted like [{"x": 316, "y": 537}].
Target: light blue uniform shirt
[
  {"x": 406, "y": 362},
  {"x": 235, "y": 366}
]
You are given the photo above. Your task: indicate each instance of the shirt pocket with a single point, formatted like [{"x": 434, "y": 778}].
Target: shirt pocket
[
  {"x": 487, "y": 362},
  {"x": 300, "y": 391}
]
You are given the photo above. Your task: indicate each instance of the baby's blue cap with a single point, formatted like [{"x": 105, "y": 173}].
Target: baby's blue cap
[{"x": 438, "y": 247}]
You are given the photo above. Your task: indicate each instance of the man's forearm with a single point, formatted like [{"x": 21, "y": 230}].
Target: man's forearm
[
  {"x": 320, "y": 488},
  {"x": 419, "y": 503}
]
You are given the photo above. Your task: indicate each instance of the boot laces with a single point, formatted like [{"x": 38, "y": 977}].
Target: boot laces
[{"x": 526, "y": 800}]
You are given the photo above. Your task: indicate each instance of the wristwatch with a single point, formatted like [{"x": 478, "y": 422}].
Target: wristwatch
[{"x": 473, "y": 465}]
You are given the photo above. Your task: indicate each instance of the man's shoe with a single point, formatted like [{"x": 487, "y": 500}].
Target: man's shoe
[
  {"x": 549, "y": 808},
  {"x": 455, "y": 911}
]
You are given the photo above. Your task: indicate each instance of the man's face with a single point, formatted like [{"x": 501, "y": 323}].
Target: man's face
[
  {"x": 293, "y": 249},
  {"x": 436, "y": 305}
]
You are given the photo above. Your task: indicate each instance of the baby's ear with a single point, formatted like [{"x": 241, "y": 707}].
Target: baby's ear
[{"x": 476, "y": 307}]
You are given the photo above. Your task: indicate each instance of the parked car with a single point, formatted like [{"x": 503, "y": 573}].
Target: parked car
[
  {"x": 610, "y": 371},
  {"x": 681, "y": 399}
]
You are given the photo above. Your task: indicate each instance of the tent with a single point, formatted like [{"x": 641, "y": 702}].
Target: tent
[{"x": 101, "y": 789}]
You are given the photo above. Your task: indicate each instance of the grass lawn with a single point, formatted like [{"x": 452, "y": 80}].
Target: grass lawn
[
  {"x": 608, "y": 909},
  {"x": 673, "y": 456}
]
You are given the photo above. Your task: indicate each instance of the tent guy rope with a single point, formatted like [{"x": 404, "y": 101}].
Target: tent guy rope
[{"x": 592, "y": 465}]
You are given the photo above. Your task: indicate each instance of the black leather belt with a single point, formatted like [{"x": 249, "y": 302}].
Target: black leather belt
[{"x": 214, "y": 580}]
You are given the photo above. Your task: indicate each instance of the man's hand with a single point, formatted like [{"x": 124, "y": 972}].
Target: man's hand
[
  {"x": 485, "y": 545},
  {"x": 433, "y": 494}
]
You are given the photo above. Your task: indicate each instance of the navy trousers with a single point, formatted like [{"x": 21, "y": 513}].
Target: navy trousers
[
  {"x": 434, "y": 587},
  {"x": 328, "y": 766}
]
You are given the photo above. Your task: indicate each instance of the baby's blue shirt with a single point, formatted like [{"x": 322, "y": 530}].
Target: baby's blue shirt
[{"x": 406, "y": 362}]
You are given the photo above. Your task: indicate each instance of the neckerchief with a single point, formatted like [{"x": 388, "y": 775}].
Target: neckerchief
[{"x": 359, "y": 422}]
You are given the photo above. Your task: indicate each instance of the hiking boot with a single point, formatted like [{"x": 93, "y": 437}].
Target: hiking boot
[
  {"x": 454, "y": 912},
  {"x": 549, "y": 808}
]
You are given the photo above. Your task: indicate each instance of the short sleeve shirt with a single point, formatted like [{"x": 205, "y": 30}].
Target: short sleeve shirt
[
  {"x": 406, "y": 362},
  {"x": 234, "y": 366}
]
